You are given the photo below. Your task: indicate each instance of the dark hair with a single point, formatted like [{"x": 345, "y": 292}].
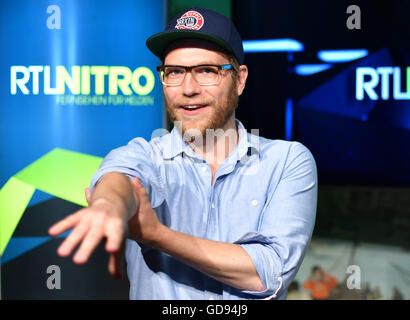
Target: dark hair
[
  {"x": 294, "y": 286},
  {"x": 316, "y": 268}
]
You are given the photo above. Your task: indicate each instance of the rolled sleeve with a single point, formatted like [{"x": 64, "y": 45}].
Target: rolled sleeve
[
  {"x": 136, "y": 159},
  {"x": 286, "y": 224},
  {"x": 267, "y": 263}
]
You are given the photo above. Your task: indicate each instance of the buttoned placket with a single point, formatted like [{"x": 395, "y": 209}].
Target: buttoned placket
[
  {"x": 206, "y": 177},
  {"x": 212, "y": 226},
  {"x": 212, "y": 218}
]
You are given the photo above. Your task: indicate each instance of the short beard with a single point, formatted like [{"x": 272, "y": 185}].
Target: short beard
[{"x": 224, "y": 112}]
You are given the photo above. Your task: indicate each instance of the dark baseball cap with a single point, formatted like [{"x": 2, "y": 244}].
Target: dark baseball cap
[{"x": 199, "y": 23}]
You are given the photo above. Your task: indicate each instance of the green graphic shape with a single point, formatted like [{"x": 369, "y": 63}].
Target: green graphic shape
[{"x": 62, "y": 173}]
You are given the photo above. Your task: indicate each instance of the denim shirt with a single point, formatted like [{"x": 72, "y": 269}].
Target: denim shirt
[{"x": 263, "y": 198}]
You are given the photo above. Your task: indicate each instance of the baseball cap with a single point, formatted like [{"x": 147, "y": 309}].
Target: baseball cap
[{"x": 199, "y": 23}]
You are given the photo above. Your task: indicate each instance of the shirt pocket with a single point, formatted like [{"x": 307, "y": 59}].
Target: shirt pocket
[{"x": 245, "y": 214}]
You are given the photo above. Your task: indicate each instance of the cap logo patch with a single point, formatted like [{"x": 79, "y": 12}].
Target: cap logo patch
[{"x": 191, "y": 20}]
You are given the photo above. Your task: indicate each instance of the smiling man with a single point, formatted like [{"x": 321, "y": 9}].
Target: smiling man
[{"x": 208, "y": 211}]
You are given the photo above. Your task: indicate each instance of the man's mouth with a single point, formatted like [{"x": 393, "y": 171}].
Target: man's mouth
[{"x": 193, "y": 109}]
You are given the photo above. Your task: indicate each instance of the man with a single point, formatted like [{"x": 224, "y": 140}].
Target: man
[
  {"x": 212, "y": 212},
  {"x": 320, "y": 283}
]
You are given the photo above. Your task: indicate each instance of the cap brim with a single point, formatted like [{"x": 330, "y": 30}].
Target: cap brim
[{"x": 160, "y": 41}]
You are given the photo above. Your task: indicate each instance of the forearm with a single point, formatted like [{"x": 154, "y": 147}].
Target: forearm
[
  {"x": 116, "y": 188},
  {"x": 226, "y": 262}
]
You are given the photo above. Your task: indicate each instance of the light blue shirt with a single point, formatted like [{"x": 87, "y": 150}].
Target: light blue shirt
[{"x": 263, "y": 198}]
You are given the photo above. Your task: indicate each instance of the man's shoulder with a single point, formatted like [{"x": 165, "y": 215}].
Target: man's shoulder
[
  {"x": 156, "y": 142},
  {"x": 278, "y": 146}
]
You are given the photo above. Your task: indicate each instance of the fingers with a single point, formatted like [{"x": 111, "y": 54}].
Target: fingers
[
  {"x": 72, "y": 240},
  {"x": 64, "y": 225},
  {"x": 114, "y": 265},
  {"x": 115, "y": 235},
  {"x": 89, "y": 228},
  {"x": 90, "y": 234},
  {"x": 88, "y": 245},
  {"x": 116, "y": 262}
]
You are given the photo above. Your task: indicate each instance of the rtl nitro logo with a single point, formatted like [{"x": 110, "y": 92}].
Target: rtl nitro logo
[
  {"x": 382, "y": 83},
  {"x": 82, "y": 79}
]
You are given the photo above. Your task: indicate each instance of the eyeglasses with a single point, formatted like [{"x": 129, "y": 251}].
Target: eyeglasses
[{"x": 204, "y": 74}]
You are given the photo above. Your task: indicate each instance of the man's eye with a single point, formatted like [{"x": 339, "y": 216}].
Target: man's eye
[
  {"x": 173, "y": 72},
  {"x": 207, "y": 70}
]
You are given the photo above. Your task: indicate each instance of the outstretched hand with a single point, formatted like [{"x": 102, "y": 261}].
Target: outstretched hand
[
  {"x": 116, "y": 260},
  {"x": 89, "y": 226},
  {"x": 98, "y": 221}
]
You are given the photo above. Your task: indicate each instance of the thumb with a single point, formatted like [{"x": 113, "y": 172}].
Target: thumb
[
  {"x": 139, "y": 189},
  {"x": 87, "y": 195},
  {"x": 135, "y": 185}
]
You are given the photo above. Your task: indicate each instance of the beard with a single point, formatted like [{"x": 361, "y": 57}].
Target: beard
[{"x": 221, "y": 113}]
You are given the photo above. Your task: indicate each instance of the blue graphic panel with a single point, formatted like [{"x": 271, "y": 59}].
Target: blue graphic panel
[
  {"x": 78, "y": 78},
  {"x": 337, "y": 95},
  {"x": 357, "y": 125}
]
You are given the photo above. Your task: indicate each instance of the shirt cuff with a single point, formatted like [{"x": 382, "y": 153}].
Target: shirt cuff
[{"x": 267, "y": 264}]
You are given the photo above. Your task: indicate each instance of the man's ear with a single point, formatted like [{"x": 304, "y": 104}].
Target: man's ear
[{"x": 241, "y": 78}]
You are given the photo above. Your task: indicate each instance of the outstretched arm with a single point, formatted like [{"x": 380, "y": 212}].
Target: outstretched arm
[
  {"x": 111, "y": 215},
  {"x": 111, "y": 206}
]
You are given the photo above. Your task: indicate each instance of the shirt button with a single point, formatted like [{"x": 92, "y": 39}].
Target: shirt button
[
  {"x": 254, "y": 203},
  {"x": 213, "y": 206},
  {"x": 203, "y": 169}
]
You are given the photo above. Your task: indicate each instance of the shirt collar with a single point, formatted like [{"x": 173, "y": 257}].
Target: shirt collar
[
  {"x": 174, "y": 144},
  {"x": 248, "y": 144}
]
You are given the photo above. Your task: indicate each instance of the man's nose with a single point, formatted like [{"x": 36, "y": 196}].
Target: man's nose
[{"x": 190, "y": 86}]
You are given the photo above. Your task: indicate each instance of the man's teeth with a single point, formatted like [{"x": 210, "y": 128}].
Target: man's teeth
[{"x": 191, "y": 107}]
